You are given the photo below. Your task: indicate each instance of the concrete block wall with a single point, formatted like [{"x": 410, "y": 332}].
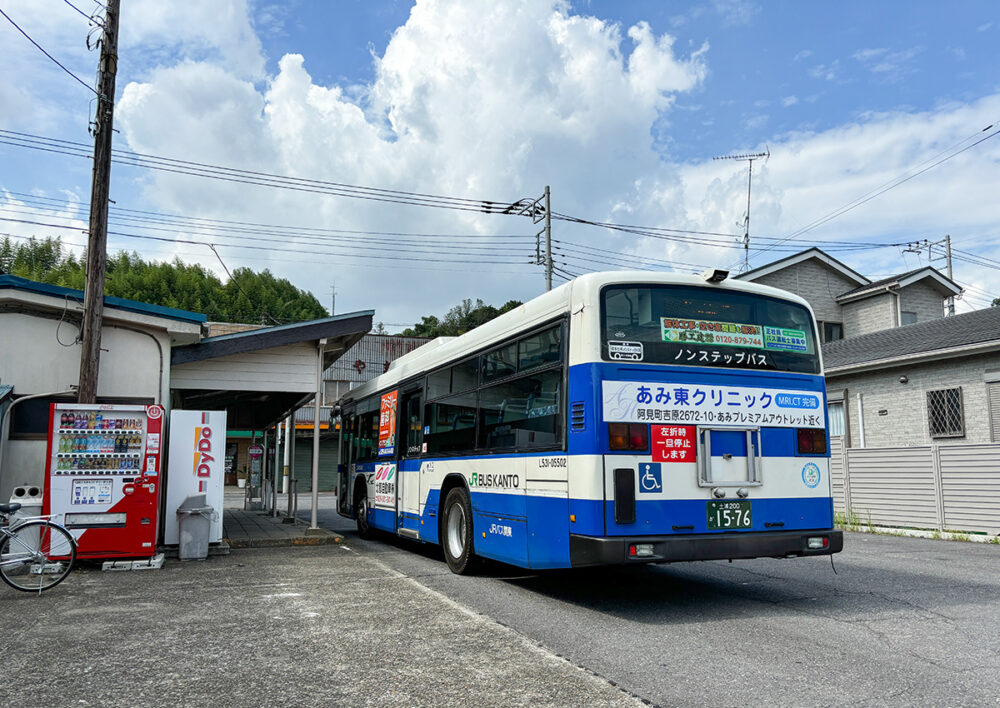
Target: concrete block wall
[
  {"x": 818, "y": 284},
  {"x": 905, "y": 422},
  {"x": 872, "y": 314},
  {"x": 923, "y": 300}
]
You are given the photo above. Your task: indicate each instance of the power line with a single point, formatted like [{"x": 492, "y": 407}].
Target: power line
[
  {"x": 52, "y": 58},
  {"x": 340, "y": 254},
  {"x": 371, "y": 245},
  {"x": 252, "y": 227},
  {"x": 377, "y": 263},
  {"x": 239, "y": 287},
  {"x": 885, "y": 187},
  {"x": 265, "y": 179},
  {"x": 90, "y": 18}
]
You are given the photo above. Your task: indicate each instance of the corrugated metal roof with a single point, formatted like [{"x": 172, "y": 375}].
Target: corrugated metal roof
[
  {"x": 969, "y": 329},
  {"x": 370, "y": 357}
]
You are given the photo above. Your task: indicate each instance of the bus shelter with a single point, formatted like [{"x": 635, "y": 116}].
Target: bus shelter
[{"x": 261, "y": 376}]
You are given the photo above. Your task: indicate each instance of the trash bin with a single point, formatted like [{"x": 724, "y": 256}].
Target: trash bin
[{"x": 194, "y": 521}]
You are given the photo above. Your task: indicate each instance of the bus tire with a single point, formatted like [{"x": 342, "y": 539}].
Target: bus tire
[
  {"x": 365, "y": 529},
  {"x": 457, "y": 533}
]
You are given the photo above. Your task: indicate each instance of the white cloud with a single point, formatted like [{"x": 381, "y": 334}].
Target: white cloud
[
  {"x": 496, "y": 102},
  {"x": 827, "y": 72},
  {"x": 886, "y": 65},
  {"x": 736, "y": 12},
  {"x": 456, "y": 108}
]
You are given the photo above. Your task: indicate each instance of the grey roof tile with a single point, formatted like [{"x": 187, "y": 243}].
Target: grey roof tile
[{"x": 959, "y": 330}]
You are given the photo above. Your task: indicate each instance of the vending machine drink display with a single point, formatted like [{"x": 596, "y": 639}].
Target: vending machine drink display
[{"x": 103, "y": 479}]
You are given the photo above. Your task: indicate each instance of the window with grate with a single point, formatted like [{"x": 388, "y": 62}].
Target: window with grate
[{"x": 944, "y": 413}]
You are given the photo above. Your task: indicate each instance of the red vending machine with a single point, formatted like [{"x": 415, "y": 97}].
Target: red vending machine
[{"x": 103, "y": 479}]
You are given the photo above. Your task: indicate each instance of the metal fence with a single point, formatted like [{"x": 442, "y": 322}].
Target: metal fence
[{"x": 944, "y": 487}]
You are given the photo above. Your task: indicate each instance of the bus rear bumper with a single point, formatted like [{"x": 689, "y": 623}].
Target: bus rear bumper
[{"x": 587, "y": 550}]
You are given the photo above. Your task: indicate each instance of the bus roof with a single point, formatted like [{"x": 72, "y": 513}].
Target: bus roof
[{"x": 541, "y": 309}]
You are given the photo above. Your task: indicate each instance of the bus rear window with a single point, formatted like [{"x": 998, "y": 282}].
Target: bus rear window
[{"x": 703, "y": 326}]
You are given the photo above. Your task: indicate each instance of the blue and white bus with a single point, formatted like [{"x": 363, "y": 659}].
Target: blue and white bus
[{"x": 624, "y": 417}]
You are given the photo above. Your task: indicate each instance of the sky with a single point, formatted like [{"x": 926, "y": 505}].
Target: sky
[{"x": 874, "y": 117}]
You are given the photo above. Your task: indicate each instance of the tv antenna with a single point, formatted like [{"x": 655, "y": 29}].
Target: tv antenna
[{"x": 747, "y": 157}]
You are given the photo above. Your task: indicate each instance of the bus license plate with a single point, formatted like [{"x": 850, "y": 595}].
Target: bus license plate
[{"x": 729, "y": 515}]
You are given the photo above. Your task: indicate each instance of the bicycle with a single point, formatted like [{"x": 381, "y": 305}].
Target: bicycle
[{"x": 35, "y": 553}]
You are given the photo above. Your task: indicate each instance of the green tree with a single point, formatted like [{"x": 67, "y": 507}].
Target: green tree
[
  {"x": 250, "y": 297},
  {"x": 459, "y": 319}
]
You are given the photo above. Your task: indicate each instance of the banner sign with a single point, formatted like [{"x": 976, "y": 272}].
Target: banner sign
[
  {"x": 387, "y": 425},
  {"x": 385, "y": 485},
  {"x": 718, "y": 406},
  {"x": 732, "y": 334}
]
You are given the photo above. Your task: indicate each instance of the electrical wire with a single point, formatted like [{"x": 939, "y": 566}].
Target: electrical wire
[
  {"x": 339, "y": 254},
  {"x": 377, "y": 264},
  {"x": 370, "y": 244},
  {"x": 52, "y": 58},
  {"x": 240, "y": 176},
  {"x": 90, "y": 18},
  {"x": 887, "y": 186}
]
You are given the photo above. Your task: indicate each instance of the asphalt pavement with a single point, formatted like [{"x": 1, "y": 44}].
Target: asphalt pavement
[
  {"x": 315, "y": 626},
  {"x": 902, "y": 622}
]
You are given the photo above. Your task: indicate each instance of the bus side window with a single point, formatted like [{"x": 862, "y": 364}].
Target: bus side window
[{"x": 414, "y": 425}]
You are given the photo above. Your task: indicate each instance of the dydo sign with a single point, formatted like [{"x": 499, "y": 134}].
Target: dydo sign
[{"x": 196, "y": 466}]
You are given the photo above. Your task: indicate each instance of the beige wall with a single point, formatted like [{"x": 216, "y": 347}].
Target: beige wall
[
  {"x": 905, "y": 422},
  {"x": 291, "y": 368},
  {"x": 33, "y": 360},
  {"x": 923, "y": 300},
  {"x": 872, "y": 314},
  {"x": 815, "y": 282}
]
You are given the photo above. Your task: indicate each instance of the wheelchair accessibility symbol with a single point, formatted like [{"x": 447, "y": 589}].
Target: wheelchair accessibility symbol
[{"x": 649, "y": 477}]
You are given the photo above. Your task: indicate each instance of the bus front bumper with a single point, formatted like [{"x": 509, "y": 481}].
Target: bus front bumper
[{"x": 587, "y": 550}]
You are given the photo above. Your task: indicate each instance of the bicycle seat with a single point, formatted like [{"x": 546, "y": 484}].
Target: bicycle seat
[{"x": 9, "y": 508}]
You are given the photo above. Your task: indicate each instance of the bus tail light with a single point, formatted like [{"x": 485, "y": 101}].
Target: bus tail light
[
  {"x": 812, "y": 441},
  {"x": 628, "y": 436}
]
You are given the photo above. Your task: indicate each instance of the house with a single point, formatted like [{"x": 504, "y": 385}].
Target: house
[
  {"x": 913, "y": 394},
  {"x": 929, "y": 382},
  {"x": 846, "y": 303}
]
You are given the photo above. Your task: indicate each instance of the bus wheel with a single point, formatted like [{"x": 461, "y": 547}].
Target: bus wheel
[
  {"x": 361, "y": 514},
  {"x": 456, "y": 536}
]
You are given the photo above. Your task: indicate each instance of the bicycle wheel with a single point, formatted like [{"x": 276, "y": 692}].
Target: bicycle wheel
[{"x": 36, "y": 556}]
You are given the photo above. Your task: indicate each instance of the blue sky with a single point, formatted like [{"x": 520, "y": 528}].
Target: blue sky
[{"x": 619, "y": 106}]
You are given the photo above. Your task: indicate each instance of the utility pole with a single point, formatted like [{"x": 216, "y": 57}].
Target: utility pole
[
  {"x": 539, "y": 210},
  {"x": 333, "y": 300},
  {"x": 548, "y": 240},
  {"x": 918, "y": 246},
  {"x": 748, "y": 157},
  {"x": 97, "y": 239}
]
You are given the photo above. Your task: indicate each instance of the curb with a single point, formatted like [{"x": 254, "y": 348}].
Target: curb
[{"x": 322, "y": 540}]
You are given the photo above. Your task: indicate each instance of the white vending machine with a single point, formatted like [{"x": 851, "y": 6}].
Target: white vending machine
[{"x": 196, "y": 465}]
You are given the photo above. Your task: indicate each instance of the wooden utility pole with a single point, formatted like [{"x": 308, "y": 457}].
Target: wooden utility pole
[{"x": 97, "y": 240}]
